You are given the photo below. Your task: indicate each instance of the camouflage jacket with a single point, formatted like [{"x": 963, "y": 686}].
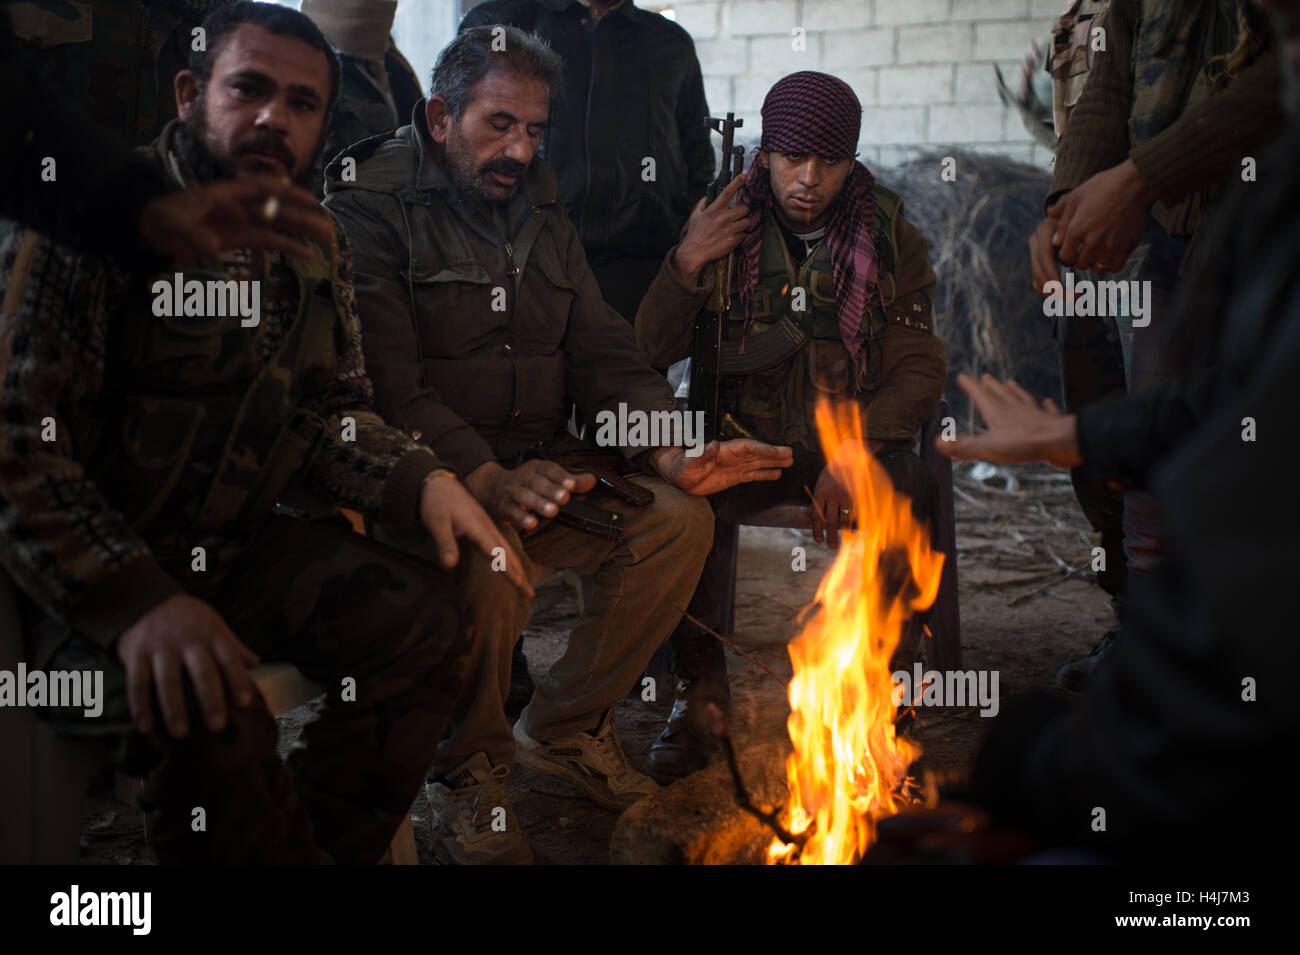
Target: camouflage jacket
[
  {"x": 1072, "y": 57},
  {"x": 906, "y": 368},
  {"x": 1148, "y": 98},
  {"x": 130, "y": 436},
  {"x": 364, "y": 108}
]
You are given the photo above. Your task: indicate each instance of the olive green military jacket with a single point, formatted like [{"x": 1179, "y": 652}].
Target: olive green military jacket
[
  {"x": 906, "y": 365},
  {"x": 479, "y": 334}
]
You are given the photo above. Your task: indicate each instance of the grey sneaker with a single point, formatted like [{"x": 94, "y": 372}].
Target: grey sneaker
[
  {"x": 472, "y": 818},
  {"x": 594, "y": 762}
]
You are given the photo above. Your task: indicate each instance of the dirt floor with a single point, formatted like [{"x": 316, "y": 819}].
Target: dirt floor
[{"x": 1028, "y": 604}]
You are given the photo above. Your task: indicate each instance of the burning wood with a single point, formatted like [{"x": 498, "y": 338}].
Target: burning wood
[{"x": 850, "y": 767}]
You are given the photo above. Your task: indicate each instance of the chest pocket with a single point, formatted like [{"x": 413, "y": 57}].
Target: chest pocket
[
  {"x": 546, "y": 299},
  {"x": 454, "y": 309}
]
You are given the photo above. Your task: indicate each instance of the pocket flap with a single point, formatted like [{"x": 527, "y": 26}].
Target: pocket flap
[{"x": 469, "y": 271}]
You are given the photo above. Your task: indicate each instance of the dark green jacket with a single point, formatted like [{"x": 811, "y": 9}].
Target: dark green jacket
[
  {"x": 478, "y": 363},
  {"x": 906, "y": 365}
]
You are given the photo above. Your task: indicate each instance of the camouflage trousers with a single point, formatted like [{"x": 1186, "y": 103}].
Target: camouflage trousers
[{"x": 378, "y": 629}]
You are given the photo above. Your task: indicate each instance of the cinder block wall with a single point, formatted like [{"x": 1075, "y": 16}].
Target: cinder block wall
[{"x": 922, "y": 68}]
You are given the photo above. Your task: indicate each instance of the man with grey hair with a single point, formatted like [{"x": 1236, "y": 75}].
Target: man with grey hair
[{"x": 482, "y": 324}]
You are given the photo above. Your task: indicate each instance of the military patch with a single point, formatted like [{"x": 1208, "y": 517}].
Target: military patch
[{"x": 912, "y": 311}]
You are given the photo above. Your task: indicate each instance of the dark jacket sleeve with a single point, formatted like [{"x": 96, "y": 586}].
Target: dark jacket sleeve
[
  {"x": 100, "y": 187},
  {"x": 66, "y": 547},
  {"x": 692, "y": 114},
  {"x": 665, "y": 319},
  {"x": 1168, "y": 726},
  {"x": 604, "y": 366},
  {"x": 379, "y": 469},
  {"x": 1096, "y": 137},
  {"x": 914, "y": 367},
  {"x": 1205, "y": 144},
  {"x": 390, "y": 340}
]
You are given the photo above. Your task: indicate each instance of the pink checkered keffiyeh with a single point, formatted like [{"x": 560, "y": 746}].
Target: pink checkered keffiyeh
[{"x": 818, "y": 114}]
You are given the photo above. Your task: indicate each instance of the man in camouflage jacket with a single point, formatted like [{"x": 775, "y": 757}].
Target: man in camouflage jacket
[{"x": 150, "y": 428}]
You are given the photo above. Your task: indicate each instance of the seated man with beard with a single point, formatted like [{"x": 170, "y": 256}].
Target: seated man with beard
[
  {"x": 147, "y": 437},
  {"x": 482, "y": 323}
]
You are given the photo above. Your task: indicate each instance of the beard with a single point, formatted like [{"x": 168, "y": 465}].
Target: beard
[
  {"x": 194, "y": 149},
  {"x": 476, "y": 181}
]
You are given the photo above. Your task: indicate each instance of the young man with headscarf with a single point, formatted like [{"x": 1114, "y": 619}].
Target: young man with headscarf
[{"x": 820, "y": 246}]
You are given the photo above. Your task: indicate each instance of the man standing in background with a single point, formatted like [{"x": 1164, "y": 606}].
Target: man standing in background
[
  {"x": 627, "y": 135},
  {"x": 377, "y": 87}
]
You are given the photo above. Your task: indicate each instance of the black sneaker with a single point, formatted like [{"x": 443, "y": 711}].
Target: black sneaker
[{"x": 1074, "y": 676}]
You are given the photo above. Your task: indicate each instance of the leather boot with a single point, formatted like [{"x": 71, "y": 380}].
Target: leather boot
[
  {"x": 686, "y": 745},
  {"x": 1074, "y": 676}
]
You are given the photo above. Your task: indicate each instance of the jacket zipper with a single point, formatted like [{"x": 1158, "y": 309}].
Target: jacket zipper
[{"x": 510, "y": 265}]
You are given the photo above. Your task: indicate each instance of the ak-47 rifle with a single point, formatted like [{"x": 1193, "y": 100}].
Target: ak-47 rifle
[{"x": 706, "y": 367}]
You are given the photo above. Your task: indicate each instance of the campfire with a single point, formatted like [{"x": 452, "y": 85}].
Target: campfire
[{"x": 849, "y": 767}]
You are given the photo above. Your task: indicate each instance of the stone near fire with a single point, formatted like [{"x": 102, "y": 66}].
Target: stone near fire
[{"x": 696, "y": 820}]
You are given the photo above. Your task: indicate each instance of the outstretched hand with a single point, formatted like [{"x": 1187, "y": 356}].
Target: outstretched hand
[
  {"x": 721, "y": 466},
  {"x": 1020, "y": 429}
]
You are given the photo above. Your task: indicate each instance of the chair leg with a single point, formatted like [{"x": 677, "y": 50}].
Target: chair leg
[
  {"x": 727, "y": 543},
  {"x": 945, "y": 621}
]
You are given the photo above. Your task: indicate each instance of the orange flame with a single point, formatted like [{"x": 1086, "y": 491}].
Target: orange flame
[{"x": 849, "y": 768}]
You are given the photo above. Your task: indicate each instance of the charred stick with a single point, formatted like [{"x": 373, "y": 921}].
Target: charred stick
[
  {"x": 731, "y": 646},
  {"x": 766, "y": 816}
]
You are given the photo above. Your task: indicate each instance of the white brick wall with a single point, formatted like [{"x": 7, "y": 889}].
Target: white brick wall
[
  {"x": 922, "y": 68},
  {"x": 836, "y": 14},
  {"x": 750, "y": 17},
  {"x": 700, "y": 20},
  {"x": 916, "y": 85}
]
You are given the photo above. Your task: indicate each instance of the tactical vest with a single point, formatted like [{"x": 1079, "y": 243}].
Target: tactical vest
[
  {"x": 192, "y": 441},
  {"x": 778, "y": 404}
]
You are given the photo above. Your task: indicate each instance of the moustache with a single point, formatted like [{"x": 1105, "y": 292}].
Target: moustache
[
  {"x": 504, "y": 165},
  {"x": 270, "y": 144}
]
